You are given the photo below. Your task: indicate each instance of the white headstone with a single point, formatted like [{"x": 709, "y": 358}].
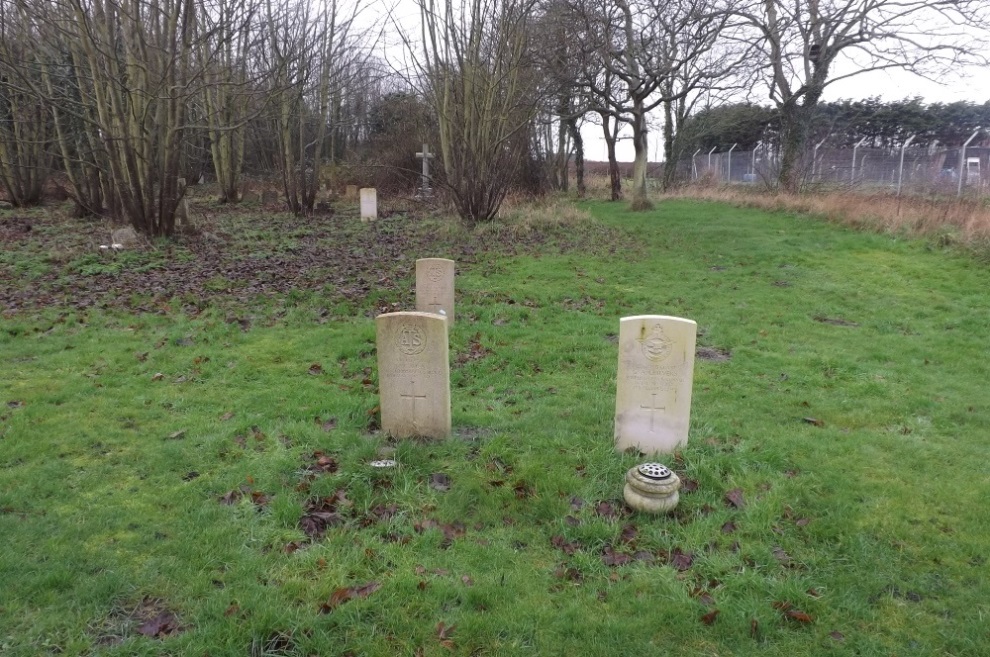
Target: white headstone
[
  {"x": 655, "y": 376},
  {"x": 413, "y": 374},
  {"x": 369, "y": 204},
  {"x": 435, "y": 286}
]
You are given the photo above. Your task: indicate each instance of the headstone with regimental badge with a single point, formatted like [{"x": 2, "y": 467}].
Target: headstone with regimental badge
[
  {"x": 369, "y": 204},
  {"x": 654, "y": 382},
  {"x": 413, "y": 374},
  {"x": 435, "y": 287}
]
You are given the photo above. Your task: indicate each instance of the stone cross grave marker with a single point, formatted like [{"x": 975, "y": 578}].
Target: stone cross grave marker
[
  {"x": 425, "y": 191},
  {"x": 413, "y": 374},
  {"x": 655, "y": 377},
  {"x": 369, "y": 204},
  {"x": 435, "y": 286}
]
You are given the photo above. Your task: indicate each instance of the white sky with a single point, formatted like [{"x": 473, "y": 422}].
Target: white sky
[
  {"x": 969, "y": 84},
  {"x": 972, "y": 85}
]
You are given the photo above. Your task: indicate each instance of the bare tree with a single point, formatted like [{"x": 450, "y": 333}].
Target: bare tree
[
  {"x": 644, "y": 44},
  {"x": 25, "y": 124},
  {"x": 806, "y": 45},
  {"x": 313, "y": 54},
  {"x": 230, "y": 85},
  {"x": 477, "y": 73}
]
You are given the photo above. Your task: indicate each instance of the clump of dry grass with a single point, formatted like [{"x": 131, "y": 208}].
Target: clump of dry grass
[
  {"x": 521, "y": 215},
  {"x": 962, "y": 221}
]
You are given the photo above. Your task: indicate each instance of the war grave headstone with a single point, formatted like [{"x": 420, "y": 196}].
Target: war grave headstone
[
  {"x": 655, "y": 377},
  {"x": 369, "y": 204},
  {"x": 413, "y": 374},
  {"x": 435, "y": 287}
]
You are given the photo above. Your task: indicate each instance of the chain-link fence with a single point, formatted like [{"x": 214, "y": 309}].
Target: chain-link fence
[{"x": 914, "y": 170}]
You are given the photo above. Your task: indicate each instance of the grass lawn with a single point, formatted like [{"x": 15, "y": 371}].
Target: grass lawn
[{"x": 173, "y": 420}]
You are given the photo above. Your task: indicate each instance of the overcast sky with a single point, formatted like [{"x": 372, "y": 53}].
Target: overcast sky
[
  {"x": 968, "y": 85},
  {"x": 972, "y": 85}
]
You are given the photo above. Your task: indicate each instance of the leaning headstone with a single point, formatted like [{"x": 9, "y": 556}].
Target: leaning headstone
[
  {"x": 653, "y": 391},
  {"x": 435, "y": 287},
  {"x": 126, "y": 237},
  {"x": 413, "y": 374},
  {"x": 369, "y": 204},
  {"x": 352, "y": 192}
]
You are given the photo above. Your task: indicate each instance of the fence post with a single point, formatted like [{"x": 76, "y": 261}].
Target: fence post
[
  {"x": 900, "y": 170},
  {"x": 962, "y": 158},
  {"x": 710, "y": 157},
  {"x": 852, "y": 174},
  {"x": 694, "y": 165},
  {"x": 728, "y": 177}
]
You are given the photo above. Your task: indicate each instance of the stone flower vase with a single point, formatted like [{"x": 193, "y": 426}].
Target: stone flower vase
[{"x": 651, "y": 488}]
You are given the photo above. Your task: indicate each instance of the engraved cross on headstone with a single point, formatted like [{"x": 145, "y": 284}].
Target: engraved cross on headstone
[
  {"x": 435, "y": 305},
  {"x": 413, "y": 397},
  {"x": 653, "y": 409},
  {"x": 426, "y": 156}
]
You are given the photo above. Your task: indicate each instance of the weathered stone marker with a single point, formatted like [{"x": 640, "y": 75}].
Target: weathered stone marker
[
  {"x": 413, "y": 374},
  {"x": 351, "y": 192},
  {"x": 425, "y": 191},
  {"x": 653, "y": 391},
  {"x": 369, "y": 204},
  {"x": 435, "y": 286}
]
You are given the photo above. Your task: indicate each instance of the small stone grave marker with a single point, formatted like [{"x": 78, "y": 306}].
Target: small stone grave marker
[
  {"x": 125, "y": 237},
  {"x": 435, "y": 286},
  {"x": 369, "y": 204},
  {"x": 413, "y": 374},
  {"x": 654, "y": 382},
  {"x": 351, "y": 192}
]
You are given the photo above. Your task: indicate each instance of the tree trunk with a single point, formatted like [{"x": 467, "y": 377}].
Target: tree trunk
[
  {"x": 572, "y": 126},
  {"x": 795, "y": 123},
  {"x": 640, "y": 200},
  {"x": 614, "y": 175},
  {"x": 670, "y": 153}
]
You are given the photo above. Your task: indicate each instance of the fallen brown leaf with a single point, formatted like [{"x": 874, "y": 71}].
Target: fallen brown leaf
[
  {"x": 163, "y": 624},
  {"x": 710, "y": 617},
  {"x": 798, "y": 615},
  {"x": 735, "y": 498},
  {"x": 342, "y": 595}
]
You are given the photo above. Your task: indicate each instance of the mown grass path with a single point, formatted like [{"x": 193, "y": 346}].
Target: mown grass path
[{"x": 157, "y": 470}]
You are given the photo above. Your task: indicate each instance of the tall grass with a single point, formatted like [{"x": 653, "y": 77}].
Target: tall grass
[{"x": 950, "y": 221}]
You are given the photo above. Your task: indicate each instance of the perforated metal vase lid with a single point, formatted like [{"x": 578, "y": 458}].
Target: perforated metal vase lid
[{"x": 654, "y": 471}]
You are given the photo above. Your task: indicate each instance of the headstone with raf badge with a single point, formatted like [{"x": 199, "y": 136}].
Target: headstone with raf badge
[
  {"x": 413, "y": 374},
  {"x": 654, "y": 383},
  {"x": 435, "y": 287}
]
